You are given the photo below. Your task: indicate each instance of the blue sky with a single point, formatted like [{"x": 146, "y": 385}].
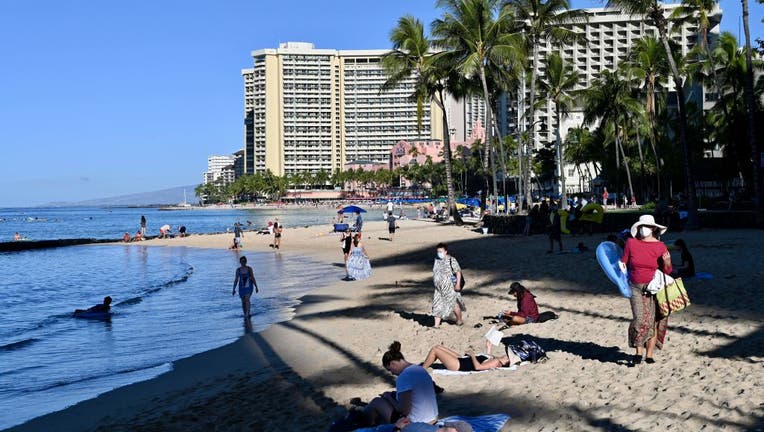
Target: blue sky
[{"x": 108, "y": 98}]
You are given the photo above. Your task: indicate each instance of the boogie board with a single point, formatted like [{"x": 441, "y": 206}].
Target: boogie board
[
  {"x": 608, "y": 255},
  {"x": 93, "y": 315}
]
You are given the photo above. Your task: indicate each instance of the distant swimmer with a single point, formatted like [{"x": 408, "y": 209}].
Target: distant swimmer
[
  {"x": 104, "y": 307},
  {"x": 17, "y": 237}
]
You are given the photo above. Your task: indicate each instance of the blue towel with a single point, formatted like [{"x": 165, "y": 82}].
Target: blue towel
[
  {"x": 485, "y": 423},
  {"x": 702, "y": 276}
]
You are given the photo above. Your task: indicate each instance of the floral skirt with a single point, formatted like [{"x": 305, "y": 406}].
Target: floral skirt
[{"x": 645, "y": 320}]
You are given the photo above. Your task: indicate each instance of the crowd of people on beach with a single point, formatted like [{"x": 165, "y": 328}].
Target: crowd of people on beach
[{"x": 413, "y": 404}]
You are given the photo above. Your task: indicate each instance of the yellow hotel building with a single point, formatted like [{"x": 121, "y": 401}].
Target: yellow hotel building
[{"x": 309, "y": 109}]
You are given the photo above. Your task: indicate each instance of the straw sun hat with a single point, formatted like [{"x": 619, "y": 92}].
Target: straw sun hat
[{"x": 646, "y": 220}]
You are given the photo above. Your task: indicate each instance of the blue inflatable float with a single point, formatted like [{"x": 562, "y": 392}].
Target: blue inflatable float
[{"x": 608, "y": 255}]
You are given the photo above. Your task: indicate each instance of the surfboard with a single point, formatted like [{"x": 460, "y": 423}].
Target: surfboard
[{"x": 608, "y": 255}]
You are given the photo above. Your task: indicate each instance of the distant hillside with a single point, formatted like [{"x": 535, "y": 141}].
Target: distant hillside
[{"x": 170, "y": 196}]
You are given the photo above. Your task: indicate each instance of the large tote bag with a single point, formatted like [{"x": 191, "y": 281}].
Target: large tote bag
[{"x": 672, "y": 298}]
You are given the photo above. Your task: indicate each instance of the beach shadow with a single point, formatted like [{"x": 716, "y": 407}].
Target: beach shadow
[
  {"x": 742, "y": 349},
  {"x": 585, "y": 350},
  {"x": 422, "y": 319},
  {"x": 368, "y": 367}
]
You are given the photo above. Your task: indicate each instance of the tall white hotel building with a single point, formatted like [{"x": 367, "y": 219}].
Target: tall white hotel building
[{"x": 309, "y": 109}]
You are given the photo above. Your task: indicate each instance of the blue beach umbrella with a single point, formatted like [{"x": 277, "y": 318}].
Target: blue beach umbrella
[{"x": 352, "y": 209}]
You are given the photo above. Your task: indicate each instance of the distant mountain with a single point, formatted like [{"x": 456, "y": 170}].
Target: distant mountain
[{"x": 170, "y": 196}]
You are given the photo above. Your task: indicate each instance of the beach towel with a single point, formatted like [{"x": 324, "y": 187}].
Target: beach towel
[
  {"x": 484, "y": 423},
  {"x": 450, "y": 372},
  {"x": 701, "y": 276}
]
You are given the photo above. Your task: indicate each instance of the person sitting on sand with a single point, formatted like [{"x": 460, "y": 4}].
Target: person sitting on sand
[
  {"x": 99, "y": 308},
  {"x": 17, "y": 237},
  {"x": 687, "y": 267},
  {"x": 138, "y": 236},
  {"x": 126, "y": 237},
  {"x": 527, "y": 310},
  {"x": 414, "y": 396},
  {"x": 469, "y": 362},
  {"x": 182, "y": 231}
]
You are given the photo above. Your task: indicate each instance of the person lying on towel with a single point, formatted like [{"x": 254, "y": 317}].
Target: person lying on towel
[{"x": 469, "y": 362}]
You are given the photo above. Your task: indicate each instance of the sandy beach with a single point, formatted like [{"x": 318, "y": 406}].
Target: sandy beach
[{"x": 301, "y": 374}]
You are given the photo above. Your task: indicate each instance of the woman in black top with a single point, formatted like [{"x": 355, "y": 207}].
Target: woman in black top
[{"x": 687, "y": 268}]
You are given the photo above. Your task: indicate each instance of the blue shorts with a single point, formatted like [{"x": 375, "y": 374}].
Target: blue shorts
[
  {"x": 245, "y": 292},
  {"x": 529, "y": 320}
]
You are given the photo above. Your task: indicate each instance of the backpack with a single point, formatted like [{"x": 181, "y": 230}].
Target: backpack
[
  {"x": 546, "y": 316},
  {"x": 528, "y": 351}
]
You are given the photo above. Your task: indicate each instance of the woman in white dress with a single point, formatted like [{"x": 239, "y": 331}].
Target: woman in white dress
[
  {"x": 358, "y": 265},
  {"x": 446, "y": 276}
]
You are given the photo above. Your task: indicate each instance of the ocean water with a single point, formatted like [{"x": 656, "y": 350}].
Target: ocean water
[
  {"x": 111, "y": 223},
  {"x": 169, "y": 303}
]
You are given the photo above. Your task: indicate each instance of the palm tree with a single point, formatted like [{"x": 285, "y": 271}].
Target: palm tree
[
  {"x": 479, "y": 39},
  {"x": 411, "y": 56},
  {"x": 751, "y": 111},
  {"x": 542, "y": 22},
  {"x": 610, "y": 100},
  {"x": 655, "y": 15},
  {"x": 648, "y": 62},
  {"x": 559, "y": 87}
]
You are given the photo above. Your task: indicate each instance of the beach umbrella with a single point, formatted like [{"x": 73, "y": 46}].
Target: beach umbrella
[
  {"x": 352, "y": 209},
  {"x": 474, "y": 202}
]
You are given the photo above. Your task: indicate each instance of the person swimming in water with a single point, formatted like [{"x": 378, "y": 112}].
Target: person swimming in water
[{"x": 99, "y": 308}]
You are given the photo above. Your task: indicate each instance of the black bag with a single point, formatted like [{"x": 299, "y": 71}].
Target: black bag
[
  {"x": 528, "y": 351},
  {"x": 546, "y": 316},
  {"x": 453, "y": 276}
]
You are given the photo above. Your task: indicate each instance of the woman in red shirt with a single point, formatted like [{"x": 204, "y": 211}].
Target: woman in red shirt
[
  {"x": 642, "y": 255},
  {"x": 527, "y": 310}
]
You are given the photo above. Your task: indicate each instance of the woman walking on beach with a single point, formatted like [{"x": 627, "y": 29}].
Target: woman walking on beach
[
  {"x": 446, "y": 276},
  {"x": 245, "y": 279},
  {"x": 277, "y": 229},
  {"x": 642, "y": 255},
  {"x": 358, "y": 265}
]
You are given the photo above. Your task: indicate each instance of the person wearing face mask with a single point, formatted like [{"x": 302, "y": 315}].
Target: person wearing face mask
[
  {"x": 642, "y": 255},
  {"x": 446, "y": 276}
]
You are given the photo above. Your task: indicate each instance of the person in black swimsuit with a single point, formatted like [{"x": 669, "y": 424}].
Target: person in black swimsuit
[
  {"x": 347, "y": 242},
  {"x": 277, "y": 235},
  {"x": 454, "y": 361}
]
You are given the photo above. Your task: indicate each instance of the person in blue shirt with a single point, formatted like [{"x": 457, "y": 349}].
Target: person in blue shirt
[{"x": 358, "y": 222}]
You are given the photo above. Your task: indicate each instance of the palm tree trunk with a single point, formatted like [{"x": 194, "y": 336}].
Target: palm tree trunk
[
  {"x": 692, "y": 209},
  {"x": 619, "y": 146},
  {"x": 447, "y": 159},
  {"x": 532, "y": 117},
  {"x": 487, "y": 149},
  {"x": 751, "y": 109},
  {"x": 653, "y": 132},
  {"x": 560, "y": 168}
]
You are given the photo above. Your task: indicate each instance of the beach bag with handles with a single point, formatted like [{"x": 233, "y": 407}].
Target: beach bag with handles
[
  {"x": 453, "y": 276},
  {"x": 672, "y": 298}
]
